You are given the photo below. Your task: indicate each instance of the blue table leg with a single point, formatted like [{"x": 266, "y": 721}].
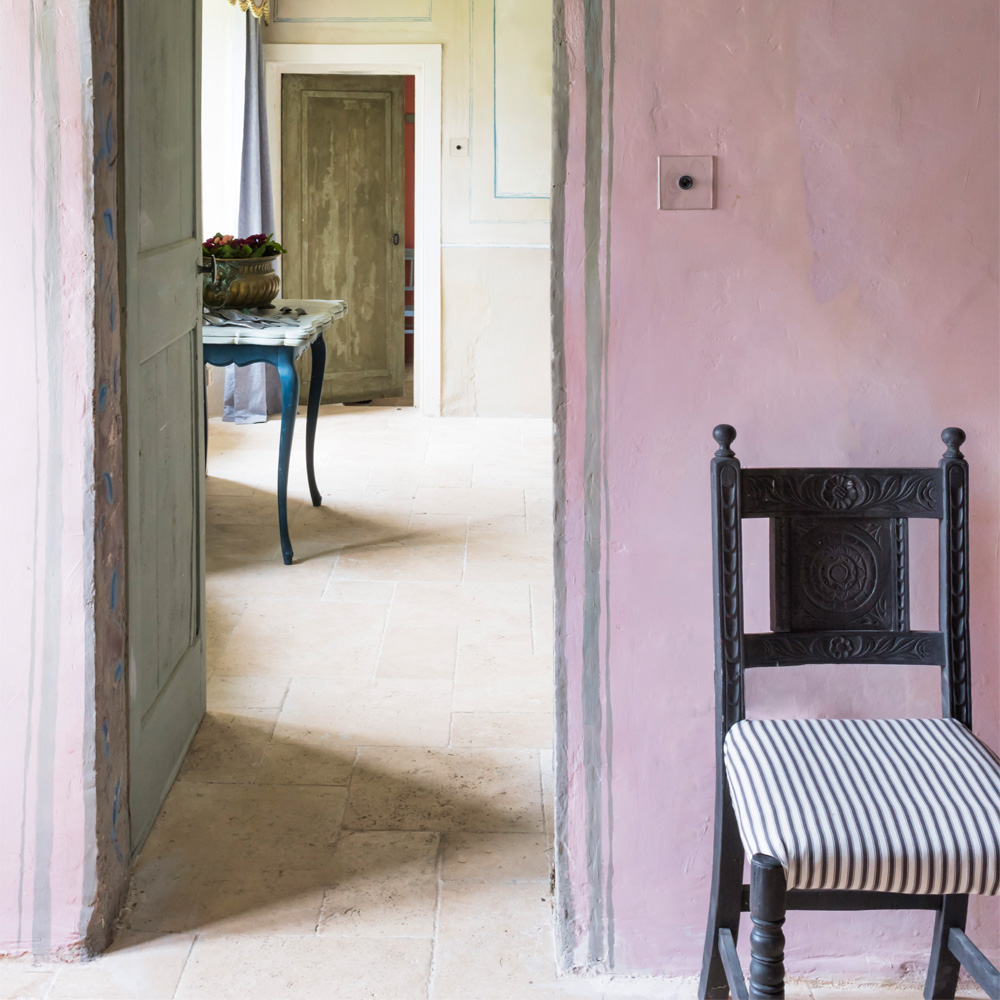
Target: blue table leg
[
  {"x": 289, "y": 402},
  {"x": 318, "y": 350}
]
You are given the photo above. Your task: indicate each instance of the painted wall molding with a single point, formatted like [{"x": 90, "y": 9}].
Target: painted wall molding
[{"x": 352, "y": 11}]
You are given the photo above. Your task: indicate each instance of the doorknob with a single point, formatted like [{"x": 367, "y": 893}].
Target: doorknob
[
  {"x": 212, "y": 269},
  {"x": 395, "y": 239}
]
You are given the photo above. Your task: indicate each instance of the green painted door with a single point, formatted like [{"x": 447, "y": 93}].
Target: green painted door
[
  {"x": 166, "y": 611},
  {"x": 342, "y": 216}
]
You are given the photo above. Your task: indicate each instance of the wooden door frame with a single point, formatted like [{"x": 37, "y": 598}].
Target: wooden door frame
[{"x": 423, "y": 62}]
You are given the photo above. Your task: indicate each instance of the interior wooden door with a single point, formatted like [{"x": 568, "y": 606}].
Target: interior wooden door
[
  {"x": 343, "y": 222},
  {"x": 165, "y": 499}
]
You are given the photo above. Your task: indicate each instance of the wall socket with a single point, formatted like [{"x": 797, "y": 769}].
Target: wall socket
[
  {"x": 458, "y": 147},
  {"x": 686, "y": 182}
]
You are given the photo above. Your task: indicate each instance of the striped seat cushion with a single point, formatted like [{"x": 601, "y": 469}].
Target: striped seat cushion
[{"x": 900, "y": 805}]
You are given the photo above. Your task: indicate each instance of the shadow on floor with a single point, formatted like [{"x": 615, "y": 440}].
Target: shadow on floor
[
  {"x": 262, "y": 857},
  {"x": 248, "y": 533}
]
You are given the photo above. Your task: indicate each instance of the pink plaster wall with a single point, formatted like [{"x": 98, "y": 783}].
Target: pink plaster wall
[
  {"x": 838, "y": 306},
  {"x": 47, "y": 727}
]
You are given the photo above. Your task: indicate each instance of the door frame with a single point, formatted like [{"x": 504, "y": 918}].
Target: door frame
[{"x": 423, "y": 62}]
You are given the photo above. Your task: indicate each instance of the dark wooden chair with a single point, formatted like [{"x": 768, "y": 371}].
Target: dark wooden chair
[{"x": 845, "y": 814}]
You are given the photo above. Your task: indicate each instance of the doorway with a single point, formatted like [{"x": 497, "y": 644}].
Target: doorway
[
  {"x": 423, "y": 63},
  {"x": 344, "y": 205}
]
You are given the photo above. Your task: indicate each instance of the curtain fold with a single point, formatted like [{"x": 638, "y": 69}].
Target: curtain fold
[{"x": 253, "y": 392}]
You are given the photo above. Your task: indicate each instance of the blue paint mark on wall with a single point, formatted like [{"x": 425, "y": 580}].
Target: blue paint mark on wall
[
  {"x": 119, "y": 673},
  {"x": 107, "y": 741},
  {"x": 108, "y": 487},
  {"x": 109, "y": 223},
  {"x": 114, "y": 819},
  {"x": 102, "y": 397},
  {"x": 114, "y": 589},
  {"x": 111, "y": 321}
]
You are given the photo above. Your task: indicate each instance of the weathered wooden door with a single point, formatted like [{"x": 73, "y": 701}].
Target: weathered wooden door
[
  {"x": 161, "y": 78},
  {"x": 342, "y": 179}
]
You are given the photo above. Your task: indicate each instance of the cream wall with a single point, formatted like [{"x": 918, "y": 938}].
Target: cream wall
[{"x": 496, "y": 83}]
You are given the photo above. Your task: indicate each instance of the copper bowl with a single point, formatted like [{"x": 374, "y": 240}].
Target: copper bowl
[{"x": 243, "y": 283}]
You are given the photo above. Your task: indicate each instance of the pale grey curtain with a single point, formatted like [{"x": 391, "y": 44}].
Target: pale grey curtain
[{"x": 251, "y": 393}]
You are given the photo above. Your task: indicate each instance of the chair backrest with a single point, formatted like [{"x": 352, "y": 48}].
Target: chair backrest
[{"x": 839, "y": 569}]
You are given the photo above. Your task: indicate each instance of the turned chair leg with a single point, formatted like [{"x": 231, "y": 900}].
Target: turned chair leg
[
  {"x": 767, "y": 940},
  {"x": 943, "y": 969}
]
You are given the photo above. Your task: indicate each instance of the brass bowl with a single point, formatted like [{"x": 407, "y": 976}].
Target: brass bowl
[{"x": 243, "y": 283}]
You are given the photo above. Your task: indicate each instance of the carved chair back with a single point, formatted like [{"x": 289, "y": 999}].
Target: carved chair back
[{"x": 838, "y": 567}]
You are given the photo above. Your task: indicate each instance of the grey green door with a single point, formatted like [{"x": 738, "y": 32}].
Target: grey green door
[
  {"x": 342, "y": 179},
  {"x": 165, "y": 501}
]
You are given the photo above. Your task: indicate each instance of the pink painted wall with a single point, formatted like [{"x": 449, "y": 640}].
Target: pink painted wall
[
  {"x": 47, "y": 725},
  {"x": 838, "y": 306}
]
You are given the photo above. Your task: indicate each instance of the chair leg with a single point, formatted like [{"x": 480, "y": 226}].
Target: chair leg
[
  {"x": 942, "y": 972},
  {"x": 767, "y": 940},
  {"x": 727, "y": 891}
]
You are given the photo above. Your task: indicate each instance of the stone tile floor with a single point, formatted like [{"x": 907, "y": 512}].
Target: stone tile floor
[{"x": 365, "y": 811}]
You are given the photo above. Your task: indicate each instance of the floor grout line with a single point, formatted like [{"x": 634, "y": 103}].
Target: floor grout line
[
  {"x": 431, "y": 972},
  {"x": 184, "y": 964}
]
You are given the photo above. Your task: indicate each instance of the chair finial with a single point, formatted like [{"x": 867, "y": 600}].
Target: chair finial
[
  {"x": 725, "y": 435},
  {"x": 954, "y": 438}
]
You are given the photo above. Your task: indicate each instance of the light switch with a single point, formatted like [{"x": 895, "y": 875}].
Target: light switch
[
  {"x": 459, "y": 147},
  {"x": 686, "y": 182}
]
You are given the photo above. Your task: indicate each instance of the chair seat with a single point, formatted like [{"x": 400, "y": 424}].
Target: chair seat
[{"x": 899, "y": 805}]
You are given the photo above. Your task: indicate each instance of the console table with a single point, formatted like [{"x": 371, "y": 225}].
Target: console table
[{"x": 238, "y": 344}]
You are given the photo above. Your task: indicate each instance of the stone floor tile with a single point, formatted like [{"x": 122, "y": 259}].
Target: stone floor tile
[
  {"x": 514, "y": 557},
  {"x": 302, "y": 581},
  {"x": 468, "y": 502},
  {"x": 538, "y": 516},
  {"x": 228, "y": 832},
  {"x": 448, "y": 476},
  {"x": 495, "y": 857},
  {"x": 259, "y": 508},
  {"x": 494, "y": 523},
  {"x": 19, "y": 980},
  {"x": 396, "y": 561},
  {"x": 542, "y": 627},
  {"x": 389, "y": 711},
  {"x": 487, "y": 606},
  {"x": 437, "y": 529},
  {"x": 298, "y": 755},
  {"x": 222, "y": 615},
  {"x": 217, "y": 486},
  {"x": 284, "y": 638},
  {"x": 227, "y": 693},
  {"x": 418, "y": 652},
  {"x": 350, "y": 525},
  {"x": 228, "y": 746},
  {"x": 508, "y": 928},
  {"x": 136, "y": 967},
  {"x": 384, "y": 885},
  {"x": 284, "y": 901},
  {"x": 505, "y": 653},
  {"x": 479, "y": 692},
  {"x": 441, "y": 790},
  {"x": 306, "y": 968},
  {"x": 546, "y": 766},
  {"x": 359, "y": 592},
  {"x": 501, "y": 729}
]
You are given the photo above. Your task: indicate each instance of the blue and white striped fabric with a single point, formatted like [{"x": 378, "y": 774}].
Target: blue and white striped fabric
[{"x": 899, "y": 805}]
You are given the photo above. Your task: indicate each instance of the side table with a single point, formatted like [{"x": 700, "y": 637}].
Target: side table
[{"x": 236, "y": 344}]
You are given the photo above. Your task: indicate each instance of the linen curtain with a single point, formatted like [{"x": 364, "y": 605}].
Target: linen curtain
[{"x": 253, "y": 392}]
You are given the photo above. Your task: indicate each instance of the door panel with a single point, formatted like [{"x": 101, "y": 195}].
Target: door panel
[
  {"x": 342, "y": 202},
  {"x": 163, "y": 396}
]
